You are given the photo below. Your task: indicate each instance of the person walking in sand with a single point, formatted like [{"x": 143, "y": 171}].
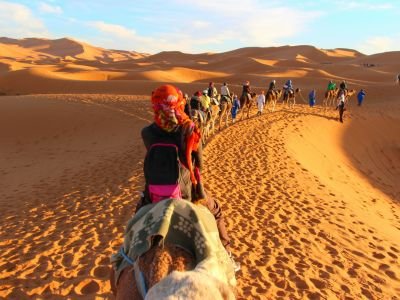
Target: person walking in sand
[
  {"x": 311, "y": 97},
  {"x": 398, "y": 79},
  {"x": 260, "y": 103},
  {"x": 235, "y": 107},
  {"x": 360, "y": 96},
  {"x": 340, "y": 106}
]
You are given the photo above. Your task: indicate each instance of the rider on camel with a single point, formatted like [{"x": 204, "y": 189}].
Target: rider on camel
[
  {"x": 212, "y": 92},
  {"x": 195, "y": 101},
  {"x": 225, "y": 91},
  {"x": 343, "y": 87},
  {"x": 172, "y": 126},
  {"x": 288, "y": 88},
  {"x": 206, "y": 102},
  {"x": 246, "y": 90},
  {"x": 187, "y": 105},
  {"x": 331, "y": 86},
  {"x": 271, "y": 88}
]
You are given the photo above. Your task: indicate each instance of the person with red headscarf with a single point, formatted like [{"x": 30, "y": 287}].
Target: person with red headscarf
[{"x": 172, "y": 126}]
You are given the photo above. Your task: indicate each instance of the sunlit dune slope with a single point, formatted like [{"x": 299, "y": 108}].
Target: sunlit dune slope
[{"x": 68, "y": 61}]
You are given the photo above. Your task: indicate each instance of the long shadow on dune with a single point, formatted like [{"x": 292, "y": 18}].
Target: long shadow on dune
[
  {"x": 315, "y": 114},
  {"x": 372, "y": 144}
]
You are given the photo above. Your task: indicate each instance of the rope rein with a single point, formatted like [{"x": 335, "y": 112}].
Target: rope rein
[{"x": 139, "y": 277}]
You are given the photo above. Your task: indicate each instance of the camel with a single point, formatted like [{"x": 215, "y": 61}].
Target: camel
[
  {"x": 210, "y": 123},
  {"x": 330, "y": 97},
  {"x": 205, "y": 121},
  {"x": 199, "y": 118},
  {"x": 291, "y": 98},
  {"x": 165, "y": 270},
  {"x": 246, "y": 103},
  {"x": 349, "y": 94},
  {"x": 272, "y": 98},
  {"x": 226, "y": 106}
]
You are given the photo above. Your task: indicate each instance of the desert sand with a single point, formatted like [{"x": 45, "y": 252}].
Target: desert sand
[{"x": 312, "y": 205}]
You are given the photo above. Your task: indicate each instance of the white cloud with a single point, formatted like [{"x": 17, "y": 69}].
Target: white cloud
[
  {"x": 240, "y": 23},
  {"x": 50, "y": 9},
  {"x": 249, "y": 22},
  {"x": 18, "y": 21},
  {"x": 380, "y": 44},
  {"x": 120, "y": 37},
  {"x": 362, "y": 5},
  {"x": 200, "y": 24},
  {"x": 113, "y": 29}
]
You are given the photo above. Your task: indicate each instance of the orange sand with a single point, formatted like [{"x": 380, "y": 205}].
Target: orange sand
[{"x": 312, "y": 205}]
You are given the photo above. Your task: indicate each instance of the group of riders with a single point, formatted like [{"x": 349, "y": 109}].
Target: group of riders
[{"x": 202, "y": 101}]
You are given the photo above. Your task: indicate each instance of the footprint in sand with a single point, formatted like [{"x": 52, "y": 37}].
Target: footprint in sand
[
  {"x": 101, "y": 272},
  {"x": 378, "y": 255},
  {"x": 86, "y": 287}
]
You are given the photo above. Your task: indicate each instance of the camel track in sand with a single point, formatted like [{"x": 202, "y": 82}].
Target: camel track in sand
[
  {"x": 287, "y": 226},
  {"x": 299, "y": 238},
  {"x": 57, "y": 234}
]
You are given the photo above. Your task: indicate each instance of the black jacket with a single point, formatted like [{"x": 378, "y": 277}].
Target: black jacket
[
  {"x": 246, "y": 89},
  {"x": 195, "y": 103},
  {"x": 272, "y": 86},
  {"x": 153, "y": 134}
]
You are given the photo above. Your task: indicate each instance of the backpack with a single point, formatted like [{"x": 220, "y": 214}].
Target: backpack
[{"x": 166, "y": 177}]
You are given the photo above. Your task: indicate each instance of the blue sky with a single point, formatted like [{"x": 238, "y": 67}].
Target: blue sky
[{"x": 196, "y": 26}]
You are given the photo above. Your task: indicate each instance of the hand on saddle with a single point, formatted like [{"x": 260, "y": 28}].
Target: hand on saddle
[{"x": 198, "y": 194}]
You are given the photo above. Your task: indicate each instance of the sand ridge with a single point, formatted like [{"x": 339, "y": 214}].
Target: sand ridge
[{"x": 70, "y": 66}]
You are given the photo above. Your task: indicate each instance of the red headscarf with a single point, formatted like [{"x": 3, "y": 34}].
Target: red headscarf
[{"x": 168, "y": 105}]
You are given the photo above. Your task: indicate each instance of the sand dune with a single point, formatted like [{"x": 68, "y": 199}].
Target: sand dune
[
  {"x": 312, "y": 205},
  {"x": 67, "y": 47},
  {"x": 68, "y": 61}
]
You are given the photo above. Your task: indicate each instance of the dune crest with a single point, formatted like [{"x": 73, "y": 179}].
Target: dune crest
[{"x": 65, "y": 60}]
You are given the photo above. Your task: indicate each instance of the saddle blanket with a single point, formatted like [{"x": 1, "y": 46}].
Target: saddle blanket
[{"x": 181, "y": 223}]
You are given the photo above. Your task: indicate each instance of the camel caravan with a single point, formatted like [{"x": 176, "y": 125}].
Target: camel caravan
[
  {"x": 211, "y": 110},
  {"x": 214, "y": 111},
  {"x": 176, "y": 245}
]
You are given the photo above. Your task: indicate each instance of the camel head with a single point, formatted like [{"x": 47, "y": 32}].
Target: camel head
[{"x": 190, "y": 285}]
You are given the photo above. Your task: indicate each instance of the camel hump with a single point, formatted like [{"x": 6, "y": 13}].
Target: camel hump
[{"x": 178, "y": 222}]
